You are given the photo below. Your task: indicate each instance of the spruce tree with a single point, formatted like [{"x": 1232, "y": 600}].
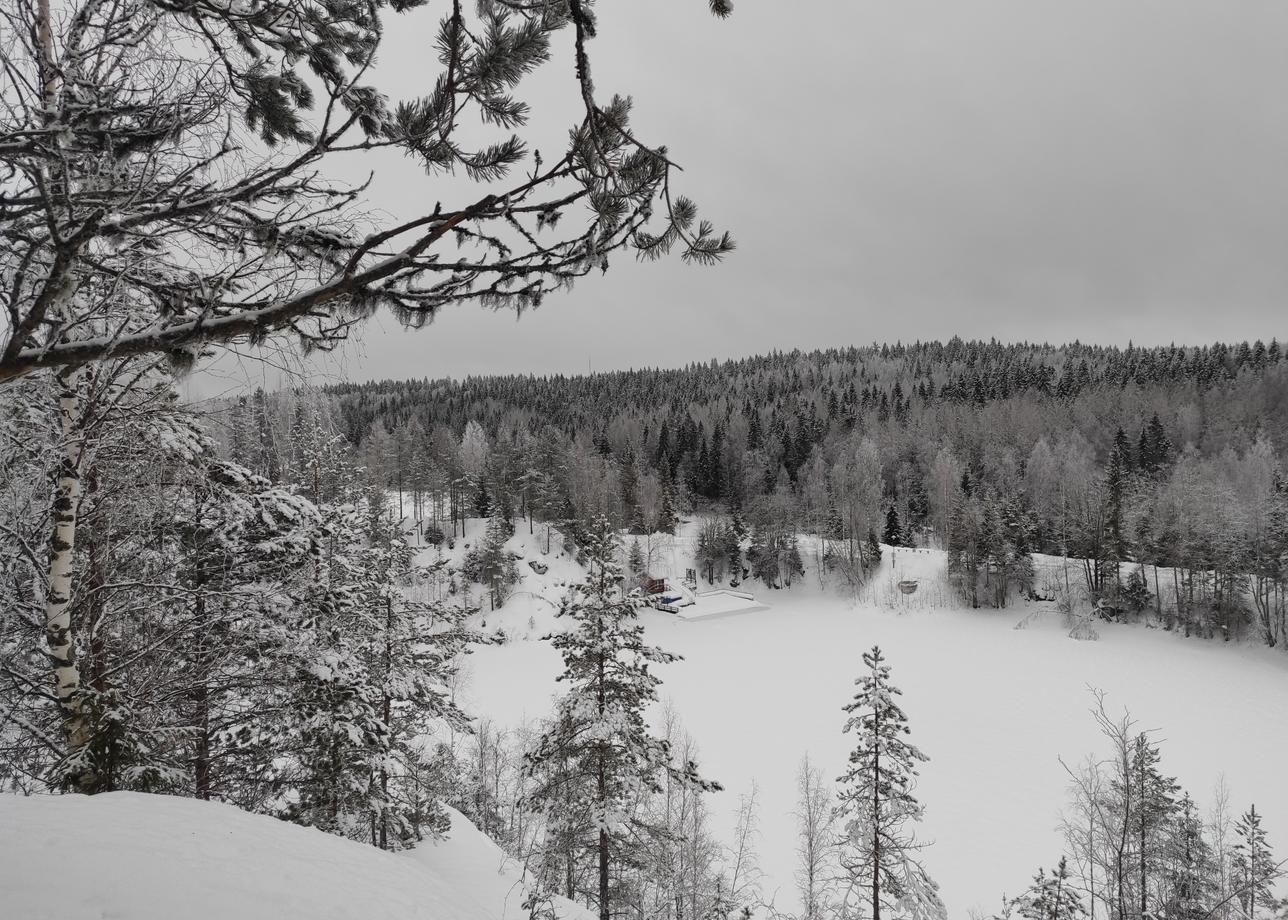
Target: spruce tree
[
  {"x": 893, "y": 533},
  {"x": 1190, "y": 879},
  {"x": 872, "y": 555},
  {"x": 598, "y": 758},
  {"x": 1152, "y": 803},
  {"x": 635, "y": 559},
  {"x": 1155, "y": 447},
  {"x": 732, "y": 548},
  {"x": 491, "y": 564},
  {"x": 1116, "y": 482},
  {"x": 876, "y": 802},
  {"x": 408, "y": 648},
  {"x": 1254, "y": 868}
]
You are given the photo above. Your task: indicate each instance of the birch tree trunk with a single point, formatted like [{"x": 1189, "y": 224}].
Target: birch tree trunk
[
  {"x": 58, "y": 621},
  {"x": 67, "y": 483}
]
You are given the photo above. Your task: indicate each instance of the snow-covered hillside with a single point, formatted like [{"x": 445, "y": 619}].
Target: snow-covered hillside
[
  {"x": 995, "y": 707},
  {"x": 141, "y": 857}
]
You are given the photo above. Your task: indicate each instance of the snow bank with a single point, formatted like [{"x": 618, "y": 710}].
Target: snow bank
[{"x": 142, "y": 857}]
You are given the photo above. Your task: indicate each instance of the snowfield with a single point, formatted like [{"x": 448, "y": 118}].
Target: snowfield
[
  {"x": 994, "y": 706},
  {"x": 144, "y": 857}
]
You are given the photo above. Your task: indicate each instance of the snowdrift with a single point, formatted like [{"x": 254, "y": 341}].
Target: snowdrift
[{"x": 143, "y": 857}]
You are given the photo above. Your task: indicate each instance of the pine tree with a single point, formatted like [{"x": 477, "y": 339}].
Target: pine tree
[
  {"x": 1051, "y": 897},
  {"x": 1254, "y": 868},
  {"x": 597, "y": 758},
  {"x": 177, "y": 193},
  {"x": 876, "y": 802}
]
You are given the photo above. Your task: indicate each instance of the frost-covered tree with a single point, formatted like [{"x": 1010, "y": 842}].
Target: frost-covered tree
[
  {"x": 712, "y": 552},
  {"x": 1149, "y": 801},
  {"x": 990, "y": 538},
  {"x": 412, "y": 643},
  {"x": 892, "y": 534},
  {"x": 635, "y": 561},
  {"x": 598, "y": 758},
  {"x": 816, "y": 841},
  {"x": 1135, "y": 845},
  {"x": 774, "y": 556},
  {"x": 372, "y": 655},
  {"x": 173, "y": 589},
  {"x": 241, "y": 547},
  {"x": 491, "y": 564},
  {"x": 234, "y": 640},
  {"x": 1051, "y": 896},
  {"x": 1191, "y": 881},
  {"x": 1254, "y": 869},
  {"x": 876, "y": 802},
  {"x": 162, "y": 173}
]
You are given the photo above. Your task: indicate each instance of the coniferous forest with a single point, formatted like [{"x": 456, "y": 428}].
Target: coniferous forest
[{"x": 1158, "y": 467}]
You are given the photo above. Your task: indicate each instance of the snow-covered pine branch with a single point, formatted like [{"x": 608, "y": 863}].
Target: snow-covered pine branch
[{"x": 165, "y": 176}]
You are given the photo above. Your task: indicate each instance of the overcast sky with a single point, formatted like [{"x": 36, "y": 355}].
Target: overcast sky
[{"x": 1101, "y": 170}]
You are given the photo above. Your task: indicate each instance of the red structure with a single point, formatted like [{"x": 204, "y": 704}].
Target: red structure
[{"x": 650, "y": 585}]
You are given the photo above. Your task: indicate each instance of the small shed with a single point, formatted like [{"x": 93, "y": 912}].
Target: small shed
[{"x": 650, "y": 585}]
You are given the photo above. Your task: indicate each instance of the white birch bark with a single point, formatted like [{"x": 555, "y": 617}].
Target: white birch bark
[
  {"x": 67, "y": 486},
  {"x": 58, "y": 622}
]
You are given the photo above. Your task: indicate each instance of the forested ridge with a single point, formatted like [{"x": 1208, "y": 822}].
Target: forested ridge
[
  {"x": 1217, "y": 396},
  {"x": 1163, "y": 457}
]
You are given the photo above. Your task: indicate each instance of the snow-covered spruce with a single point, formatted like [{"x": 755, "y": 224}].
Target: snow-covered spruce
[
  {"x": 876, "y": 802},
  {"x": 598, "y": 757}
]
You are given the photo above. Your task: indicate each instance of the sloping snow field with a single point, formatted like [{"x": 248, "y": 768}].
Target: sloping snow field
[
  {"x": 993, "y": 706},
  {"x": 128, "y": 856}
]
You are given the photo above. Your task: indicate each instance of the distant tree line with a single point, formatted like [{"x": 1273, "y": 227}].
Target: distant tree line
[{"x": 1157, "y": 468}]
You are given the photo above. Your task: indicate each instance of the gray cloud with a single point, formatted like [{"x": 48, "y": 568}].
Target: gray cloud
[{"x": 1025, "y": 169}]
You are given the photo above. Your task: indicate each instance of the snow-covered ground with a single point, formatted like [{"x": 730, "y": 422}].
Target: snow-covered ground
[
  {"x": 763, "y": 683},
  {"x": 994, "y": 707},
  {"x": 127, "y": 856}
]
